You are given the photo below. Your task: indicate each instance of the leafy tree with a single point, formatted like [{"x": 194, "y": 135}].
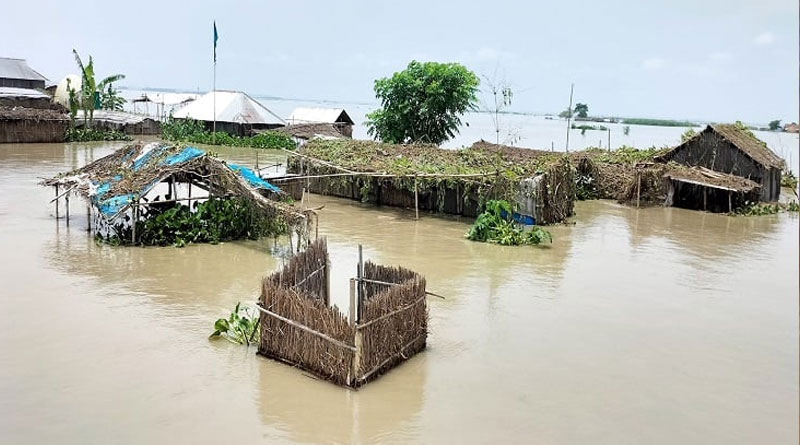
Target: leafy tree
[
  {"x": 582, "y": 110},
  {"x": 774, "y": 125},
  {"x": 423, "y": 103},
  {"x": 565, "y": 114},
  {"x": 89, "y": 95}
]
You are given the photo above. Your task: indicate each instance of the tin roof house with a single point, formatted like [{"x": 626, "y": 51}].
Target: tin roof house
[{"x": 236, "y": 113}]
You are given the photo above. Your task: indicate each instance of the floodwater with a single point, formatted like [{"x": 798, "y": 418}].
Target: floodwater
[{"x": 636, "y": 326}]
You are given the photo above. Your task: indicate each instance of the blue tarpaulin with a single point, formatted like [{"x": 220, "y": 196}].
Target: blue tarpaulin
[
  {"x": 187, "y": 154},
  {"x": 252, "y": 179},
  {"x": 111, "y": 206},
  {"x": 137, "y": 164}
]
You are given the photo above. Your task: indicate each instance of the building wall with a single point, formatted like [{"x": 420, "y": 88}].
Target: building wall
[
  {"x": 32, "y": 130},
  {"x": 21, "y": 83},
  {"x": 712, "y": 151}
]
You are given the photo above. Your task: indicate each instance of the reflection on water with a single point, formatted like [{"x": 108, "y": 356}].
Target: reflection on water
[{"x": 641, "y": 325}]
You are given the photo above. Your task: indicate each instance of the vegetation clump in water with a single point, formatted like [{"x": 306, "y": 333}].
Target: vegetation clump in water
[
  {"x": 94, "y": 134},
  {"x": 495, "y": 225},
  {"x": 241, "y": 327},
  {"x": 190, "y": 130},
  {"x": 212, "y": 221},
  {"x": 765, "y": 208}
]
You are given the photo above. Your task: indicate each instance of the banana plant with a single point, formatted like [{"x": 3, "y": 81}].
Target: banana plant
[{"x": 91, "y": 89}]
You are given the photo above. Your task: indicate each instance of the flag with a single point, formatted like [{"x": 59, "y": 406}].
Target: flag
[{"x": 216, "y": 37}]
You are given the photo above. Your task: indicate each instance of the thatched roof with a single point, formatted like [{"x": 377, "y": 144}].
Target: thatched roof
[
  {"x": 710, "y": 178},
  {"x": 312, "y": 130},
  {"x": 37, "y": 114},
  {"x": 114, "y": 182},
  {"x": 742, "y": 139}
]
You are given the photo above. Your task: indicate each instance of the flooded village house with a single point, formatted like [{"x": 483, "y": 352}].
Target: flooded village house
[
  {"x": 730, "y": 150},
  {"x": 336, "y": 117},
  {"x": 235, "y": 113}
]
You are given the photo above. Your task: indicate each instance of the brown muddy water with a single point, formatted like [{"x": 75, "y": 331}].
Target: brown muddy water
[{"x": 635, "y": 326}]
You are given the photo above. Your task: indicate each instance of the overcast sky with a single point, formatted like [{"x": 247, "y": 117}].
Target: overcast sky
[{"x": 711, "y": 59}]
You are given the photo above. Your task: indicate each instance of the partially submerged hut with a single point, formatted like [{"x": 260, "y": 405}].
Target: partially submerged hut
[
  {"x": 137, "y": 181},
  {"x": 732, "y": 150},
  {"x": 32, "y": 125},
  {"x": 386, "y": 324},
  {"x": 302, "y": 133},
  {"x": 128, "y": 123},
  {"x": 26, "y": 98},
  {"x": 337, "y": 117},
  {"x": 236, "y": 113},
  {"x": 428, "y": 178},
  {"x": 699, "y": 188}
]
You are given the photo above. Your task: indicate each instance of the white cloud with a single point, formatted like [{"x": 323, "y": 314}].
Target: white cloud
[
  {"x": 653, "y": 64},
  {"x": 765, "y": 38}
]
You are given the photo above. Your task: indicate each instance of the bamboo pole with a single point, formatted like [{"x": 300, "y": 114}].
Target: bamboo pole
[
  {"x": 135, "y": 219},
  {"x": 66, "y": 204},
  {"x": 416, "y": 200},
  {"x": 360, "y": 274},
  {"x": 88, "y": 217},
  {"x": 638, "y": 188},
  {"x": 56, "y": 202},
  {"x": 730, "y": 202},
  {"x": 352, "y": 302}
]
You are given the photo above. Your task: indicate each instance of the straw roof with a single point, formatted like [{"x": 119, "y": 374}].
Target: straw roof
[
  {"x": 114, "y": 182},
  {"x": 311, "y": 130},
  {"x": 740, "y": 138},
  {"x": 37, "y": 114},
  {"x": 710, "y": 178}
]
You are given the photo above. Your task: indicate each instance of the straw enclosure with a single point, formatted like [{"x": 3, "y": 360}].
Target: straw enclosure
[{"x": 299, "y": 327}]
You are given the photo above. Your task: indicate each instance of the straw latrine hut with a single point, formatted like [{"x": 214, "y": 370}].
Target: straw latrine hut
[
  {"x": 387, "y": 320},
  {"x": 733, "y": 150},
  {"x": 428, "y": 178},
  {"x": 336, "y": 117},
  {"x": 32, "y": 125},
  {"x": 137, "y": 181}
]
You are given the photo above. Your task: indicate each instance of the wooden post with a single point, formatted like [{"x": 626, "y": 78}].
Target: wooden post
[
  {"x": 730, "y": 202},
  {"x": 638, "y": 188},
  {"x": 609, "y": 139},
  {"x": 705, "y": 198},
  {"x": 416, "y": 199},
  {"x": 357, "y": 356},
  {"x": 56, "y": 202},
  {"x": 135, "y": 211},
  {"x": 352, "y": 302},
  {"x": 258, "y": 171},
  {"x": 66, "y": 204},
  {"x": 88, "y": 217},
  {"x": 360, "y": 275}
]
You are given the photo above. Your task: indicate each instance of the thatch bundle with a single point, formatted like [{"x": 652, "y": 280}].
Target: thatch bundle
[
  {"x": 394, "y": 319},
  {"x": 299, "y": 328}
]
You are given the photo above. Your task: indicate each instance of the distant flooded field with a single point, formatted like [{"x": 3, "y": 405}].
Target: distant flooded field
[{"x": 656, "y": 325}]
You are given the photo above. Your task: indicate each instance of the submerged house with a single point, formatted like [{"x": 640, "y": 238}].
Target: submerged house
[
  {"x": 235, "y": 113},
  {"x": 732, "y": 151},
  {"x": 18, "y": 124},
  {"x": 337, "y": 117},
  {"x": 135, "y": 182}
]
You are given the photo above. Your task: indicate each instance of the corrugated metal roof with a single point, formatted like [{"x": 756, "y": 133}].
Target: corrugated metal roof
[
  {"x": 22, "y": 92},
  {"x": 324, "y": 115},
  {"x": 18, "y": 69},
  {"x": 116, "y": 117},
  {"x": 232, "y": 106}
]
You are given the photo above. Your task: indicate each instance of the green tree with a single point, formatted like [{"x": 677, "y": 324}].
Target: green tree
[
  {"x": 688, "y": 134},
  {"x": 89, "y": 97},
  {"x": 774, "y": 125},
  {"x": 110, "y": 99},
  {"x": 565, "y": 114},
  {"x": 423, "y": 103},
  {"x": 582, "y": 110}
]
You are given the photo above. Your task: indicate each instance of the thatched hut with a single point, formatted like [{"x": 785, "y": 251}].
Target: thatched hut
[
  {"x": 386, "y": 323},
  {"x": 32, "y": 125},
  {"x": 137, "y": 181},
  {"x": 733, "y": 150},
  {"x": 128, "y": 123},
  {"x": 336, "y": 117},
  {"x": 429, "y": 178}
]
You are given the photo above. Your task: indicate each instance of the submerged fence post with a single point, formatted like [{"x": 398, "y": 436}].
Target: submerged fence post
[
  {"x": 66, "y": 204},
  {"x": 88, "y": 217},
  {"x": 56, "y": 202},
  {"x": 416, "y": 199},
  {"x": 133, "y": 224},
  {"x": 638, "y": 188},
  {"x": 360, "y": 275}
]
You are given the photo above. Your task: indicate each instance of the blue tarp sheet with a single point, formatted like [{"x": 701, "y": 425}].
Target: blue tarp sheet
[
  {"x": 187, "y": 154},
  {"x": 137, "y": 164},
  {"x": 111, "y": 206},
  {"x": 252, "y": 178}
]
